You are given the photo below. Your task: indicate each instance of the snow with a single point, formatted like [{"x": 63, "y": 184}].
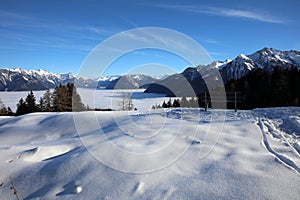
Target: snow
[
  {"x": 18, "y": 69},
  {"x": 296, "y": 57},
  {"x": 158, "y": 154},
  {"x": 25, "y": 78},
  {"x": 249, "y": 66},
  {"x": 243, "y": 56},
  {"x": 281, "y": 59},
  {"x": 220, "y": 65},
  {"x": 39, "y": 72},
  {"x": 108, "y": 78}
]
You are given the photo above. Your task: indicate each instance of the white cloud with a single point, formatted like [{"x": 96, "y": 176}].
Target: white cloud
[{"x": 225, "y": 12}]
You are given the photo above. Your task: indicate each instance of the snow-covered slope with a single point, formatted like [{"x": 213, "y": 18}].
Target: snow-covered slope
[{"x": 244, "y": 155}]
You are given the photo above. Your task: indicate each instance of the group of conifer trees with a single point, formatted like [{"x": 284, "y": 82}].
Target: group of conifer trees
[
  {"x": 63, "y": 99},
  {"x": 191, "y": 102},
  {"x": 5, "y": 111},
  {"x": 261, "y": 88}
]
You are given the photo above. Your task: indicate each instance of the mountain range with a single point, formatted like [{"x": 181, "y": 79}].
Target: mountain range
[
  {"x": 192, "y": 80},
  {"x": 18, "y": 79}
]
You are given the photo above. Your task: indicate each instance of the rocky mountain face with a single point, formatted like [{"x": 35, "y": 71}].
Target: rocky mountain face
[{"x": 194, "y": 80}]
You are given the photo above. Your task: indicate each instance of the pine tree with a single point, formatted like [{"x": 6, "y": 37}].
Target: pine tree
[
  {"x": 9, "y": 111},
  {"x": 176, "y": 103},
  {"x": 66, "y": 99},
  {"x": 47, "y": 101},
  {"x": 164, "y": 105},
  {"x": 30, "y": 102},
  {"x": 21, "y": 107},
  {"x": 3, "y": 111},
  {"x": 60, "y": 98},
  {"x": 41, "y": 106},
  {"x": 75, "y": 99},
  {"x": 169, "y": 103}
]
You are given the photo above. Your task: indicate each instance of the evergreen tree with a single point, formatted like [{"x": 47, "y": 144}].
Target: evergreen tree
[
  {"x": 41, "y": 106},
  {"x": 9, "y": 112},
  {"x": 66, "y": 99},
  {"x": 261, "y": 88},
  {"x": 47, "y": 101},
  {"x": 169, "y": 103},
  {"x": 30, "y": 103},
  {"x": 21, "y": 107},
  {"x": 76, "y": 103},
  {"x": 176, "y": 103},
  {"x": 3, "y": 111},
  {"x": 164, "y": 105},
  {"x": 60, "y": 98}
]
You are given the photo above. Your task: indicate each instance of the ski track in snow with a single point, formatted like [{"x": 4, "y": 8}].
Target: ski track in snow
[
  {"x": 282, "y": 158},
  {"x": 269, "y": 129}
]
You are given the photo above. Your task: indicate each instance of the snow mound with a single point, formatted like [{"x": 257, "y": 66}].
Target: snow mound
[{"x": 44, "y": 153}]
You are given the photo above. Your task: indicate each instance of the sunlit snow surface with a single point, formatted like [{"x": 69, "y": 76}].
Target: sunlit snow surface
[{"x": 256, "y": 156}]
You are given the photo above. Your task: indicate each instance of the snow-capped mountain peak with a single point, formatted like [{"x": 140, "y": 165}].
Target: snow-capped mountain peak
[{"x": 266, "y": 59}]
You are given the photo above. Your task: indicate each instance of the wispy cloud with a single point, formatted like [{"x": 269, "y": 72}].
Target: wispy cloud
[
  {"x": 38, "y": 33},
  {"x": 226, "y": 12}
]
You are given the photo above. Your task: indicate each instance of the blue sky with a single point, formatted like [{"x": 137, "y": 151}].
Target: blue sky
[{"x": 59, "y": 35}]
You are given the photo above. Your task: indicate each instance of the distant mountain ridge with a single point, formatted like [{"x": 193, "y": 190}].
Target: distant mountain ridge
[
  {"x": 131, "y": 82},
  {"x": 18, "y": 79},
  {"x": 195, "y": 77}
]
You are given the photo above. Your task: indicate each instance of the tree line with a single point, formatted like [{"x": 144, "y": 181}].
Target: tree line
[
  {"x": 63, "y": 99},
  {"x": 191, "y": 102},
  {"x": 5, "y": 111},
  {"x": 260, "y": 88}
]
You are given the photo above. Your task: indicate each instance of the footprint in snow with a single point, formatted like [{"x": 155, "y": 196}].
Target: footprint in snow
[
  {"x": 74, "y": 187},
  {"x": 139, "y": 188},
  {"x": 168, "y": 193},
  {"x": 193, "y": 140}
]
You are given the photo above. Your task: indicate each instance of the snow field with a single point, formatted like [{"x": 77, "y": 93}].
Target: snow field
[{"x": 163, "y": 154}]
